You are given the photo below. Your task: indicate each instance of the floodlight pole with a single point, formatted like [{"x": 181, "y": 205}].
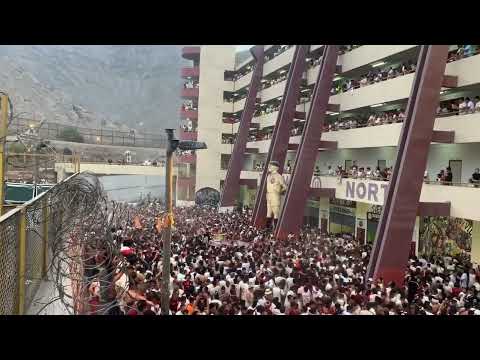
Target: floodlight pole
[
  {"x": 167, "y": 233},
  {"x": 172, "y": 145}
]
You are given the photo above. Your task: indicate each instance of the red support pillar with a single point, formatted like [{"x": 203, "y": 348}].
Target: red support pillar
[
  {"x": 391, "y": 248},
  {"x": 292, "y": 211},
  {"x": 281, "y": 132},
  {"x": 231, "y": 184}
]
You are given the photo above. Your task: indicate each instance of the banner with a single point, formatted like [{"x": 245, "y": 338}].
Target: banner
[{"x": 445, "y": 236}]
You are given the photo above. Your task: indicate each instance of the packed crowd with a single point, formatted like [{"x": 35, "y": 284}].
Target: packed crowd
[
  {"x": 375, "y": 119},
  {"x": 266, "y": 83},
  {"x": 373, "y": 76},
  {"x": 187, "y": 126},
  {"x": 221, "y": 265},
  {"x": 462, "y": 106},
  {"x": 462, "y": 51},
  {"x": 189, "y": 105},
  {"x": 190, "y": 84}
]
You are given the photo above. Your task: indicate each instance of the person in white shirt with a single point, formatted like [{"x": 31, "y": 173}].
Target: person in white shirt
[
  {"x": 331, "y": 172},
  {"x": 470, "y": 106},
  {"x": 305, "y": 295},
  {"x": 462, "y": 107},
  {"x": 477, "y": 103}
]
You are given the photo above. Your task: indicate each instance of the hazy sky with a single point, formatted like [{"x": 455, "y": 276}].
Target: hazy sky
[{"x": 243, "y": 47}]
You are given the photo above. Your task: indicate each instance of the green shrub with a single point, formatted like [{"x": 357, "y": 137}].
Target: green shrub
[{"x": 70, "y": 134}]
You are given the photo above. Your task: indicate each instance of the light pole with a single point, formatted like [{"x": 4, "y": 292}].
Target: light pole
[{"x": 172, "y": 145}]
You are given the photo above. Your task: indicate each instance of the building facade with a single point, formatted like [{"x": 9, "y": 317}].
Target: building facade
[{"x": 371, "y": 89}]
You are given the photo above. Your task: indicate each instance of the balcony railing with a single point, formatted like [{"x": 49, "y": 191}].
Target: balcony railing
[
  {"x": 185, "y": 181},
  {"x": 189, "y": 114},
  {"x": 191, "y": 52},
  {"x": 186, "y": 158},
  {"x": 188, "y": 135},
  {"x": 190, "y": 72},
  {"x": 189, "y": 93}
]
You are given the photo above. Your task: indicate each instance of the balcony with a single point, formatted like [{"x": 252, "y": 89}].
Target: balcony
[
  {"x": 185, "y": 182},
  {"x": 190, "y": 72},
  {"x": 189, "y": 114},
  {"x": 188, "y": 135},
  {"x": 464, "y": 126},
  {"x": 186, "y": 159},
  {"x": 191, "y": 52},
  {"x": 188, "y": 93},
  {"x": 463, "y": 199}
]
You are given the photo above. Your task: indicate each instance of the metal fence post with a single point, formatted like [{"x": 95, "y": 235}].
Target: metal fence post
[
  {"x": 45, "y": 214},
  {"x": 22, "y": 258}
]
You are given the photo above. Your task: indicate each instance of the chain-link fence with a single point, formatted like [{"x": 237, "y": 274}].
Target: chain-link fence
[
  {"x": 9, "y": 263},
  {"x": 24, "y": 235}
]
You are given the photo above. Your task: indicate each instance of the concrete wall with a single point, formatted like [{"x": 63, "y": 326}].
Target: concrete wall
[
  {"x": 438, "y": 158},
  {"x": 107, "y": 169},
  {"x": 214, "y": 60},
  {"x": 105, "y": 152},
  {"x": 463, "y": 200},
  {"x": 367, "y": 54}
]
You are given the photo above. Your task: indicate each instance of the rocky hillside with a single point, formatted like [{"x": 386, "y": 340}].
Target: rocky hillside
[{"x": 96, "y": 85}]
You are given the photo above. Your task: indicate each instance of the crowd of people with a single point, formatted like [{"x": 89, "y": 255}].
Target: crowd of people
[
  {"x": 191, "y": 84},
  {"x": 461, "y": 106},
  {"x": 268, "y": 83},
  {"x": 375, "y": 119},
  {"x": 443, "y": 177},
  {"x": 462, "y": 51},
  {"x": 221, "y": 265},
  {"x": 187, "y": 126},
  {"x": 189, "y": 105},
  {"x": 373, "y": 76}
]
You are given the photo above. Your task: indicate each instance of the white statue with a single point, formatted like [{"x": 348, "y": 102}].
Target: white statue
[{"x": 275, "y": 189}]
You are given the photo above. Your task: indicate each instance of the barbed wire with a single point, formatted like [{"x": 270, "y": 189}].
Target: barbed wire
[{"x": 84, "y": 257}]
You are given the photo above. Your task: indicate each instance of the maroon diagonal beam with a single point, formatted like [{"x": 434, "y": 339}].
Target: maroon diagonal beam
[
  {"x": 281, "y": 132},
  {"x": 292, "y": 211},
  {"x": 391, "y": 248},
  {"x": 232, "y": 185}
]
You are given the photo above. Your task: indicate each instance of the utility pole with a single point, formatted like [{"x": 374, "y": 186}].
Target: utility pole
[
  {"x": 172, "y": 146},
  {"x": 167, "y": 232},
  {"x": 3, "y": 141}
]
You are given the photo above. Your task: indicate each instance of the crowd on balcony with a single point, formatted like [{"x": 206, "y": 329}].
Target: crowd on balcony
[
  {"x": 268, "y": 83},
  {"x": 461, "y": 106},
  {"x": 222, "y": 265},
  {"x": 375, "y": 119},
  {"x": 361, "y": 172},
  {"x": 242, "y": 72},
  {"x": 259, "y": 166},
  {"x": 184, "y": 152},
  {"x": 373, "y": 76},
  {"x": 237, "y": 96},
  {"x": 444, "y": 176},
  {"x": 463, "y": 51},
  {"x": 263, "y": 110},
  {"x": 188, "y": 105},
  {"x": 281, "y": 49},
  {"x": 261, "y": 135},
  {"x": 311, "y": 63},
  {"x": 347, "y": 48},
  {"x": 228, "y": 139},
  {"x": 191, "y": 84},
  {"x": 187, "y": 126}
]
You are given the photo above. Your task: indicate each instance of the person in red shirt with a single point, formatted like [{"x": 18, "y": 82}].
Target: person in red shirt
[{"x": 294, "y": 310}]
